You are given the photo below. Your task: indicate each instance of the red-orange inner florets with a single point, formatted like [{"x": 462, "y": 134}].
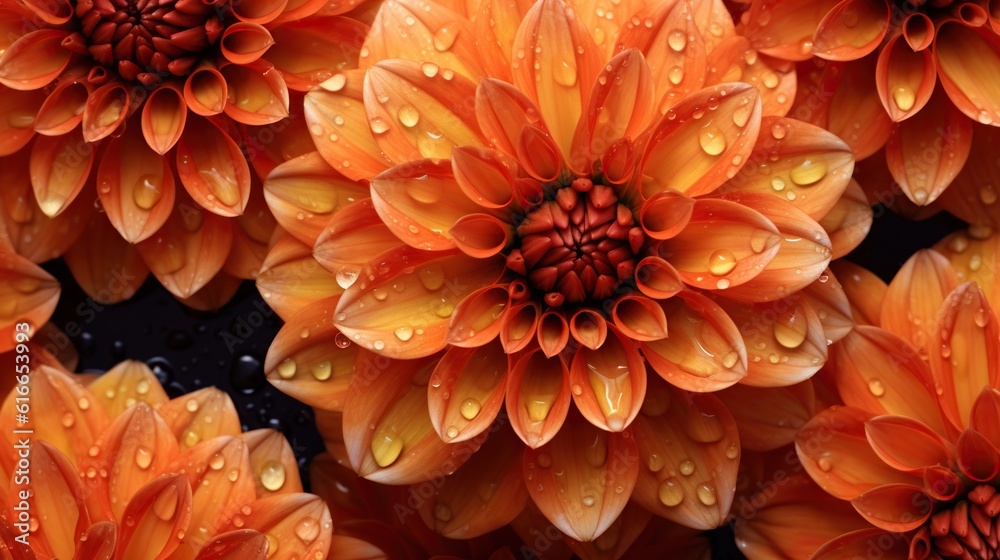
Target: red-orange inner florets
[
  {"x": 147, "y": 40},
  {"x": 969, "y": 529},
  {"x": 579, "y": 246}
]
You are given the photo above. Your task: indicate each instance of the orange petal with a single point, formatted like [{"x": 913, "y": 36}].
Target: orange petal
[
  {"x": 914, "y": 298},
  {"x": 413, "y": 115},
  {"x": 315, "y": 368},
  {"x": 538, "y": 397},
  {"x": 466, "y": 391},
  {"x": 29, "y": 294},
  {"x": 61, "y": 112},
  {"x": 355, "y": 233},
  {"x": 163, "y": 117},
  {"x": 420, "y": 202},
  {"x": 839, "y": 35},
  {"x": 252, "y": 232},
  {"x": 559, "y": 76},
  {"x": 798, "y": 162},
  {"x": 126, "y": 384},
  {"x": 242, "y": 544},
  {"x": 639, "y": 318},
  {"x": 856, "y": 543},
  {"x": 309, "y": 50},
  {"x": 34, "y": 59},
  {"x": 258, "y": 11},
  {"x": 303, "y": 193},
  {"x": 295, "y": 525},
  {"x": 519, "y": 325},
  {"x": 19, "y": 110},
  {"x": 976, "y": 456},
  {"x": 552, "y": 333},
  {"x": 618, "y": 539},
  {"x": 784, "y": 339},
  {"x": 864, "y": 290},
  {"x": 985, "y": 416},
  {"x": 724, "y": 244},
  {"x": 689, "y": 452},
  {"x": 159, "y": 513},
  {"x": 905, "y": 79},
  {"x": 906, "y": 444},
  {"x": 583, "y": 500},
  {"x": 99, "y": 543},
  {"x": 291, "y": 279},
  {"x": 57, "y": 497},
  {"x": 215, "y": 294},
  {"x": 802, "y": 256},
  {"x": 966, "y": 360},
  {"x": 136, "y": 187},
  {"x": 484, "y": 175},
  {"x": 972, "y": 195},
  {"x": 704, "y": 351},
  {"x": 437, "y": 36},
  {"x": 59, "y": 168},
  {"x": 242, "y": 43},
  {"x": 666, "y": 214},
  {"x": 496, "y": 26},
  {"x": 205, "y": 91},
  {"x": 481, "y": 235},
  {"x": 421, "y": 302},
  {"x": 212, "y": 168},
  {"x": 769, "y": 418},
  {"x": 658, "y": 279},
  {"x": 835, "y": 452},
  {"x": 462, "y": 505},
  {"x": 200, "y": 416},
  {"x": 479, "y": 317},
  {"x": 973, "y": 254},
  {"x": 339, "y": 126},
  {"x": 967, "y": 59},
  {"x": 257, "y": 93},
  {"x": 827, "y": 298},
  {"x": 189, "y": 249},
  {"x": 403, "y": 447},
  {"x": 849, "y": 221},
  {"x": 272, "y": 462},
  {"x": 106, "y": 111},
  {"x": 695, "y": 156},
  {"x": 609, "y": 383},
  {"x": 926, "y": 152},
  {"x": 785, "y": 28},
  {"x": 855, "y": 112},
  {"x": 502, "y": 112},
  {"x": 588, "y": 328},
  {"x": 733, "y": 59},
  {"x": 894, "y": 507}
]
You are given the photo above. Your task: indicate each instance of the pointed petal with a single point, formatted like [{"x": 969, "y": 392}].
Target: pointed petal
[
  {"x": 57, "y": 497},
  {"x": 877, "y": 371},
  {"x": 164, "y": 115},
  {"x": 704, "y": 351},
  {"x": 242, "y": 43},
  {"x": 403, "y": 447},
  {"x": 538, "y": 397},
  {"x": 658, "y": 279},
  {"x": 303, "y": 193},
  {"x": 200, "y": 416},
  {"x": 799, "y": 162},
  {"x": 914, "y": 298},
  {"x": 423, "y": 300},
  {"x": 695, "y": 156},
  {"x": 29, "y": 295},
  {"x": 906, "y": 444},
  {"x": 99, "y": 543},
  {"x": 851, "y": 30},
  {"x": 849, "y": 221},
  {"x": 769, "y": 418},
  {"x": 972, "y": 195},
  {"x": 905, "y": 79},
  {"x": 785, "y": 28},
  {"x": 355, "y": 233},
  {"x": 639, "y": 318},
  {"x": 189, "y": 249},
  {"x": 205, "y": 91},
  {"x": 519, "y": 325},
  {"x": 296, "y": 525},
  {"x": 609, "y": 383},
  {"x": 339, "y": 126},
  {"x": 242, "y": 544},
  {"x": 437, "y": 35},
  {"x": 257, "y": 93},
  {"x": 215, "y": 294},
  {"x": 136, "y": 187},
  {"x": 478, "y": 318},
  {"x": 689, "y": 447},
  {"x": 584, "y": 500},
  {"x": 485, "y": 494},
  {"x": 212, "y": 168},
  {"x": 967, "y": 359},
  {"x": 315, "y": 368},
  {"x": 59, "y": 168},
  {"x": 560, "y": 65},
  {"x": 855, "y": 111},
  {"x": 618, "y": 539},
  {"x": 967, "y": 59},
  {"x": 976, "y": 456},
  {"x": 985, "y": 416},
  {"x": 272, "y": 462},
  {"x": 496, "y": 26},
  {"x": 159, "y": 511},
  {"x": 34, "y": 59},
  {"x": 826, "y": 296},
  {"x": 126, "y": 384},
  {"x": 481, "y": 235},
  {"x": 291, "y": 279},
  {"x": 894, "y": 507},
  {"x": 466, "y": 391},
  {"x": 864, "y": 290},
  {"x": 61, "y": 112},
  {"x": 502, "y": 112},
  {"x": 973, "y": 253},
  {"x": 308, "y": 51},
  {"x": 106, "y": 111},
  {"x": 834, "y": 450},
  {"x": 20, "y": 118},
  {"x": 733, "y": 59},
  {"x": 484, "y": 175},
  {"x": 252, "y": 232}
]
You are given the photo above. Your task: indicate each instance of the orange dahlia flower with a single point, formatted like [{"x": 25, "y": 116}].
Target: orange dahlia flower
[
  {"x": 917, "y": 77},
  {"x": 551, "y": 187},
  {"x": 116, "y": 471},
  {"x": 915, "y": 448},
  {"x": 163, "y": 115}
]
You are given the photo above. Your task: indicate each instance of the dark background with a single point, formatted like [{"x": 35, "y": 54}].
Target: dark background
[{"x": 188, "y": 350}]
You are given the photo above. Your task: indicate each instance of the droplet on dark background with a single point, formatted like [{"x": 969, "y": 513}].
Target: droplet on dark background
[{"x": 247, "y": 374}]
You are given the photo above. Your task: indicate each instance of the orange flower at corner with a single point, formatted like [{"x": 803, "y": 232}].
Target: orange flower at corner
[{"x": 553, "y": 187}]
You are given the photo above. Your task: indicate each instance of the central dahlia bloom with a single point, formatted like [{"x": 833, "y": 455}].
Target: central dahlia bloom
[
  {"x": 917, "y": 77},
  {"x": 553, "y": 188}
]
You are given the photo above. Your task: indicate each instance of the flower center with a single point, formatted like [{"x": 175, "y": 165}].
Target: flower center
[
  {"x": 579, "y": 246},
  {"x": 969, "y": 529},
  {"x": 149, "y": 40}
]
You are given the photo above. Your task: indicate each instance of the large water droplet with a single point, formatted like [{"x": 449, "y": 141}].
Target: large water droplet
[
  {"x": 272, "y": 475},
  {"x": 143, "y": 457},
  {"x": 307, "y": 530},
  {"x": 677, "y": 40},
  {"x": 408, "y": 116},
  {"x": 790, "y": 328},
  {"x": 165, "y": 505},
  {"x": 670, "y": 492},
  {"x": 712, "y": 141},
  {"x": 721, "y": 262},
  {"x": 286, "y": 369},
  {"x": 146, "y": 191},
  {"x": 706, "y": 494},
  {"x": 445, "y": 37},
  {"x": 808, "y": 172},
  {"x": 876, "y": 387},
  {"x": 904, "y": 98},
  {"x": 386, "y": 446},
  {"x": 470, "y": 408}
]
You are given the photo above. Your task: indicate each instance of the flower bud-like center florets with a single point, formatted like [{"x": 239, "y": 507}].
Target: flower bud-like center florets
[
  {"x": 579, "y": 246},
  {"x": 148, "y": 40},
  {"x": 969, "y": 529}
]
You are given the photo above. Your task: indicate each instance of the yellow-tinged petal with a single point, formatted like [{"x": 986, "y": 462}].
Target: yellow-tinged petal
[
  {"x": 34, "y": 59},
  {"x": 581, "y": 480},
  {"x": 59, "y": 167},
  {"x": 106, "y": 110},
  {"x": 609, "y": 383},
  {"x": 353, "y": 235},
  {"x": 864, "y": 290},
  {"x": 689, "y": 453},
  {"x": 785, "y": 28},
  {"x": 272, "y": 462},
  {"x": 466, "y": 390},
  {"x": 854, "y": 113},
  {"x": 734, "y": 60},
  {"x": 294, "y": 525},
  {"x": 496, "y": 26},
  {"x": 851, "y": 30},
  {"x": 163, "y": 117},
  {"x": 538, "y": 397},
  {"x": 905, "y": 79},
  {"x": 126, "y": 384},
  {"x": 156, "y": 519},
  {"x": 257, "y": 93},
  {"x": 291, "y": 279},
  {"x": 402, "y": 303},
  {"x": 907, "y": 444},
  {"x": 57, "y": 498},
  {"x": 212, "y": 168},
  {"x": 200, "y": 416},
  {"x": 967, "y": 60},
  {"x": 827, "y": 298},
  {"x": 849, "y": 221},
  {"x": 914, "y": 297},
  {"x": 20, "y": 109},
  {"x": 252, "y": 232}
]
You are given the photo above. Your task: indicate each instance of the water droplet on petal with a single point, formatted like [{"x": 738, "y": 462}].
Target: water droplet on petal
[
  {"x": 904, "y": 98},
  {"x": 712, "y": 141},
  {"x": 272, "y": 475},
  {"x": 808, "y": 172},
  {"x": 670, "y": 492}
]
